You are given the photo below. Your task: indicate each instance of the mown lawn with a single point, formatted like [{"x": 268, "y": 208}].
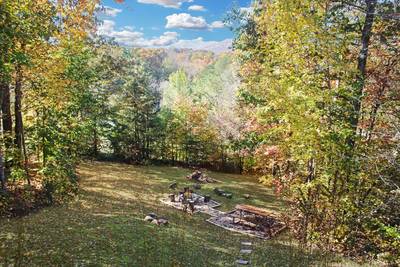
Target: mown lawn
[{"x": 104, "y": 225}]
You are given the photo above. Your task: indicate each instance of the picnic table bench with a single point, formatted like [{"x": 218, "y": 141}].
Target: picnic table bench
[
  {"x": 242, "y": 209},
  {"x": 260, "y": 216},
  {"x": 254, "y": 210}
]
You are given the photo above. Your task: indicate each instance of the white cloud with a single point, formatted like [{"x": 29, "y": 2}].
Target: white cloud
[
  {"x": 106, "y": 28},
  {"x": 187, "y": 21},
  {"x": 197, "y": 8},
  {"x": 108, "y": 11},
  {"x": 247, "y": 10},
  {"x": 130, "y": 38},
  {"x": 217, "y": 25},
  {"x": 127, "y": 36},
  {"x": 168, "y": 38},
  {"x": 166, "y": 3},
  {"x": 129, "y": 28}
]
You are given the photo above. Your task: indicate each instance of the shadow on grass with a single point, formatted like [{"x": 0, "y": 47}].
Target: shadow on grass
[{"x": 104, "y": 226}]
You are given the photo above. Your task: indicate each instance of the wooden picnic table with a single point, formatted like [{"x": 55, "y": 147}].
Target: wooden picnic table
[
  {"x": 258, "y": 212},
  {"x": 254, "y": 210}
]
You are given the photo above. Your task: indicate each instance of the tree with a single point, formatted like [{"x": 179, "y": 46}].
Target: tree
[
  {"x": 33, "y": 36},
  {"x": 306, "y": 90}
]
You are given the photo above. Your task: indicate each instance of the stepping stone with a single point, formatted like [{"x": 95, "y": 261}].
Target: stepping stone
[
  {"x": 152, "y": 215},
  {"x": 173, "y": 185},
  {"x": 162, "y": 221},
  {"x": 242, "y": 262},
  {"x": 148, "y": 218},
  {"x": 245, "y": 251},
  {"x": 219, "y": 191},
  {"x": 246, "y": 243},
  {"x": 228, "y": 195}
]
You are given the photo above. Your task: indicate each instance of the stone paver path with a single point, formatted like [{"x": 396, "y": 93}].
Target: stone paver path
[{"x": 245, "y": 250}]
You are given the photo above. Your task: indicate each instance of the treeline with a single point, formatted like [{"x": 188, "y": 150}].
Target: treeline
[
  {"x": 67, "y": 94},
  {"x": 150, "y": 112},
  {"x": 321, "y": 94}
]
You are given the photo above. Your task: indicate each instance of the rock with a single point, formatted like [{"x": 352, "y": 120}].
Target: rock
[
  {"x": 152, "y": 215},
  {"x": 228, "y": 195},
  {"x": 162, "y": 222},
  {"x": 197, "y": 186},
  {"x": 173, "y": 185},
  {"x": 148, "y": 218},
  {"x": 218, "y": 191},
  {"x": 242, "y": 262},
  {"x": 245, "y": 251},
  {"x": 195, "y": 175},
  {"x": 245, "y": 243},
  {"x": 246, "y": 196},
  {"x": 209, "y": 179}
]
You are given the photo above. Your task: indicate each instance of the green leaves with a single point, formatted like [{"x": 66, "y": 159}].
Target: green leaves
[{"x": 300, "y": 94}]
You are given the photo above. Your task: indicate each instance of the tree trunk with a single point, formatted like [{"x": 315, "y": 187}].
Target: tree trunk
[
  {"x": 7, "y": 125},
  {"x": 362, "y": 61},
  {"x": 2, "y": 176},
  {"x": 19, "y": 126},
  {"x": 44, "y": 145},
  {"x": 18, "y": 113},
  {"x": 6, "y": 110},
  {"x": 95, "y": 141}
]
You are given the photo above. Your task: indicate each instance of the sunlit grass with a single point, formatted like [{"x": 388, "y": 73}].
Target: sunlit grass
[{"x": 104, "y": 225}]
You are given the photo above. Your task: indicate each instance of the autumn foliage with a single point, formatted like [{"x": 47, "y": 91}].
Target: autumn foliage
[{"x": 320, "y": 94}]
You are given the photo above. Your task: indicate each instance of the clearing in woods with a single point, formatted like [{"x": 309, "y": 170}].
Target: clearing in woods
[{"x": 104, "y": 225}]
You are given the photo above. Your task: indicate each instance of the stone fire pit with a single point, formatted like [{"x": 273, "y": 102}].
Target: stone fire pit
[{"x": 199, "y": 204}]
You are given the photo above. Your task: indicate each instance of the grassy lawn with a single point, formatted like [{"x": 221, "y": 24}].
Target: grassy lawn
[{"x": 104, "y": 225}]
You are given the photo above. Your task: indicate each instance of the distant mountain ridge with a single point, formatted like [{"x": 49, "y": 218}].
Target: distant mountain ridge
[{"x": 189, "y": 60}]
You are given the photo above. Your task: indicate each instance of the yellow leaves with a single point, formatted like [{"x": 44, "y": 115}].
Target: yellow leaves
[
  {"x": 49, "y": 34},
  {"x": 76, "y": 19}
]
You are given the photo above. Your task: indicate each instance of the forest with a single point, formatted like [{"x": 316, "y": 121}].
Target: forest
[{"x": 306, "y": 105}]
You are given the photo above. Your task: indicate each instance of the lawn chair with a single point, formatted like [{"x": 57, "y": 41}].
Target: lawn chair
[{"x": 188, "y": 201}]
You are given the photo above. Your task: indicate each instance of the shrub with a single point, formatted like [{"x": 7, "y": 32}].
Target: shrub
[{"x": 59, "y": 180}]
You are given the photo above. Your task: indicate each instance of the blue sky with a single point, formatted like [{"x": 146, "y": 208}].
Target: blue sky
[{"x": 195, "y": 24}]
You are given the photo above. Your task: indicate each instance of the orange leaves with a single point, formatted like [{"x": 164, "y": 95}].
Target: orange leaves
[{"x": 268, "y": 152}]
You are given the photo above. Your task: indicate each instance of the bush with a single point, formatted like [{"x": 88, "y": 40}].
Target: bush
[
  {"x": 59, "y": 180},
  {"x": 18, "y": 174}
]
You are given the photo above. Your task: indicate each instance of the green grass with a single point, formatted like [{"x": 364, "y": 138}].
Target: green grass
[{"x": 104, "y": 225}]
